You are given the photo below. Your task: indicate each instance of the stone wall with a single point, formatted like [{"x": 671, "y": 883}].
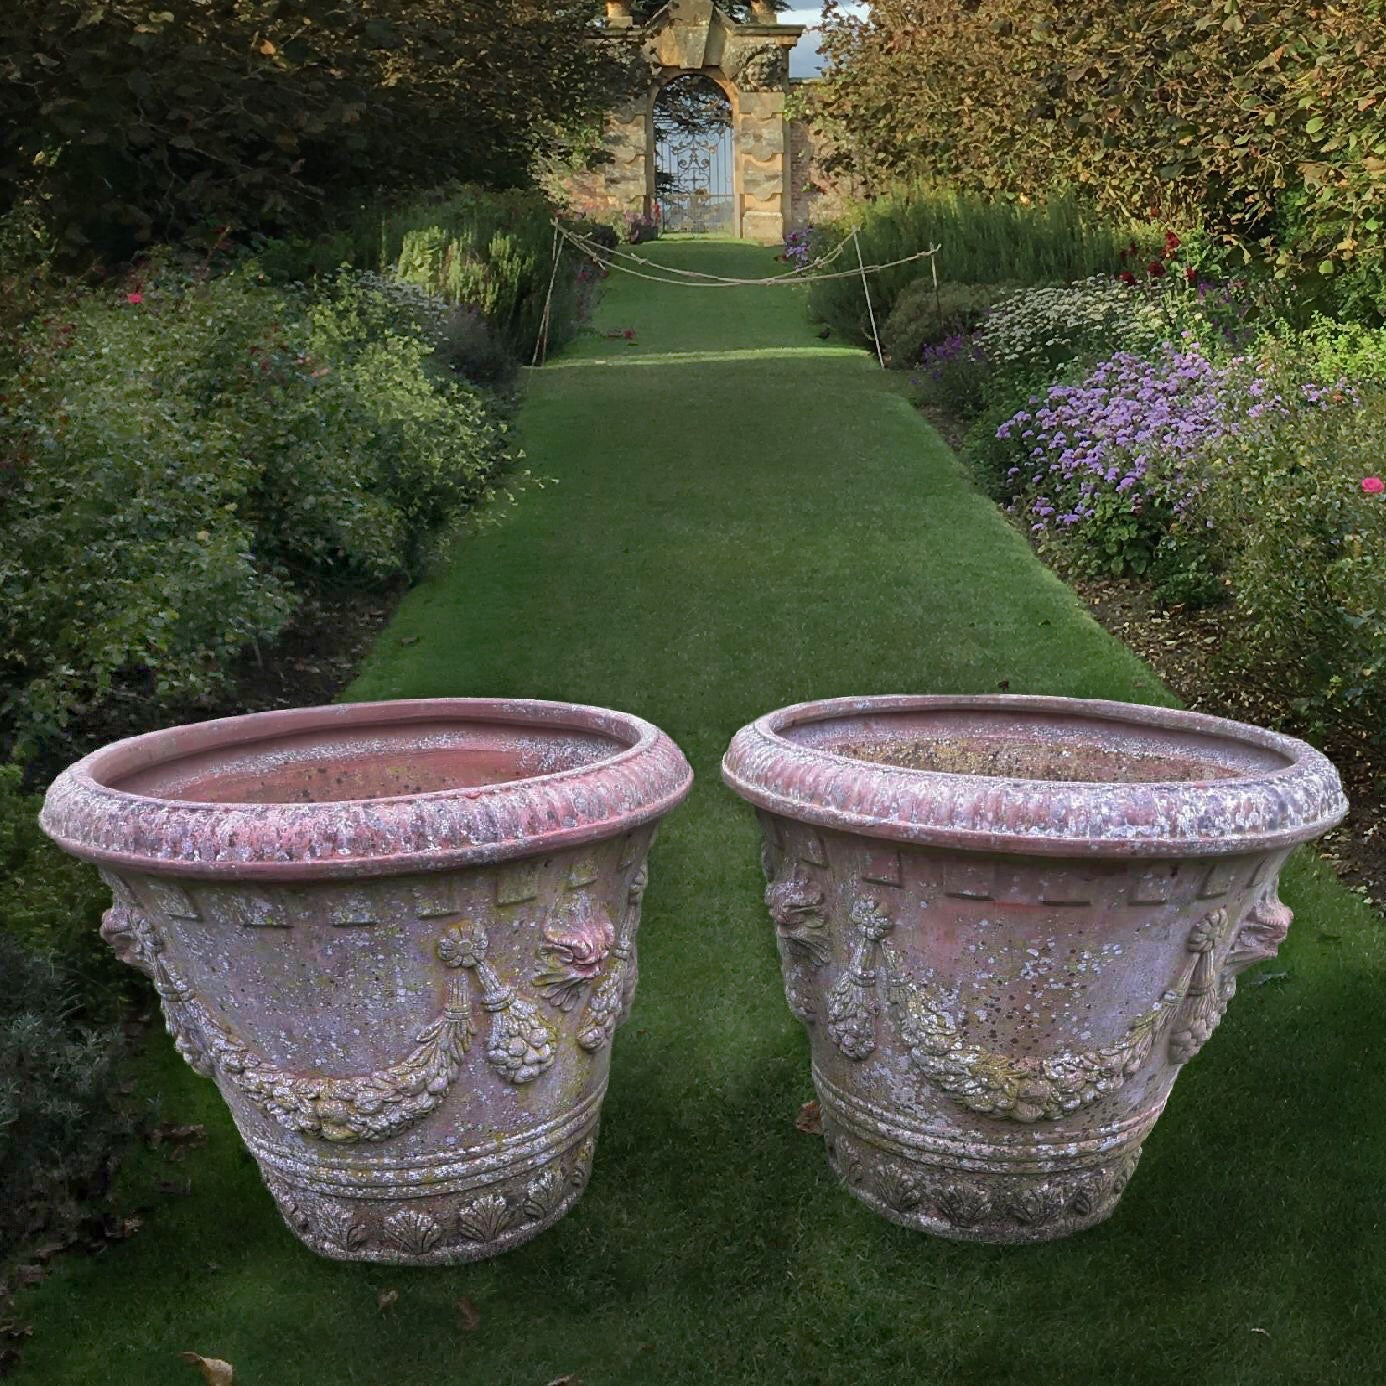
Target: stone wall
[
  {"x": 750, "y": 62},
  {"x": 817, "y": 194}
]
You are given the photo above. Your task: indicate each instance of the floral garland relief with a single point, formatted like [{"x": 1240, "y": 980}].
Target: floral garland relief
[
  {"x": 983, "y": 1080},
  {"x": 520, "y": 1045}
]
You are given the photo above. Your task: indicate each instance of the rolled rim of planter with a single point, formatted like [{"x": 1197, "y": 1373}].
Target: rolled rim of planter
[
  {"x": 167, "y": 801},
  {"x": 1207, "y": 785}
]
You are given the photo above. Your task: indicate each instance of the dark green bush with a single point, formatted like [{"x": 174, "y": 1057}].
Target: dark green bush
[
  {"x": 922, "y": 316},
  {"x": 137, "y": 123},
  {"x": 60, "y": 1036},
  {"x": 59, "y": 1122},
  {"x": 210, "y": 448}
]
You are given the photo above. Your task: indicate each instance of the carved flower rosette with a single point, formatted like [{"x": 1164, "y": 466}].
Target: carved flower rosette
[
  {"x": 1006, "y": 923},
  {"x": 375, "y": 926}
]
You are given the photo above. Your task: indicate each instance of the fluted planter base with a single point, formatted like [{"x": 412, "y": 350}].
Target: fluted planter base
[
  {"x": 980, "y": 1197},
  {"x": 470, "y": 1221}
]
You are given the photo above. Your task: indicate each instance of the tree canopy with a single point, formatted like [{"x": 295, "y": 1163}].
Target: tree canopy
[
  {"x": 134, "y": 120},
  {"x": 1264, "y": 118}
]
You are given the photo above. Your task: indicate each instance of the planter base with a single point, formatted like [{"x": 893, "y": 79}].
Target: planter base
[
  {"x": 971, "y": 1188},
  {"x": 467, "y": 1219},
  {"x": 982, "y": 1204}
]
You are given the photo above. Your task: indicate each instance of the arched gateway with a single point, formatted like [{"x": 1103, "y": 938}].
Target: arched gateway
[{"x": 749, "y": 64}]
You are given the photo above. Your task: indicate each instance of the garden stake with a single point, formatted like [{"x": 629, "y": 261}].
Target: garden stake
[
  {"x": 541, "y": 345},
  {"x": 866, "y": 288}
]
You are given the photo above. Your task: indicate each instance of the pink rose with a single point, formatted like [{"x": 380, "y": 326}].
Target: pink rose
[{"x": 1373, "y": 485}]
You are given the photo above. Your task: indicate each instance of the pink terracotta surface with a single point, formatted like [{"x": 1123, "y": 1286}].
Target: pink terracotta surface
[
  {"x": 1006, "y": 922},
  {"x": 399, "y": 936}
]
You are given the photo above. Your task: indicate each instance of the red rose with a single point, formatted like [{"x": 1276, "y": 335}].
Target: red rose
[
  {"x": 1155, "y": 269},
  {"x": 1127, "y": 277},
  {"x": 1172, "y": 242},
  {"x": 1190, "y": 275}
]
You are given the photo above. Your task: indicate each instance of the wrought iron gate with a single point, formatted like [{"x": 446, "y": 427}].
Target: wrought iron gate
[{"x": 694, "y": 178}]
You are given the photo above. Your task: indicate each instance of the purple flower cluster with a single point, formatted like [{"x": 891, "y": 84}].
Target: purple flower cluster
[
  {"x": 796, "y": 249},
  {"x": 1125, "y": 438},
  {"x": 1131, "y": 415},
  {"x": 959, "y": 349}
]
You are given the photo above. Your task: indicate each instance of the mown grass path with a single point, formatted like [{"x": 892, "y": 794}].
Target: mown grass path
[{"x": 744, "y": 516}]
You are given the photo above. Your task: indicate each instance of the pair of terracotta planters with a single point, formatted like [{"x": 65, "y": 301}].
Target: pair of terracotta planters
[{"x": 400, "y": 937}]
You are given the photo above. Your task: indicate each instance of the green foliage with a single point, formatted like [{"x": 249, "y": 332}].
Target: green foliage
[
  {"x": 51, "y": 903},
  {"x": 493, "y": 252},
  {"x": 488, "y": 253},
  {"x": 58, "y": 1119},
  {"x": 1302, "y": 550},
  {"x": 58, "y": 1034},
  {"x": 1330, "y": 351},
  {"x": 922, "y": 315},
  {"x": 134, "y": 122},
  {"x": 980, "y": 241},
  {"x": 252, "y": 442},
  {"x": 1264, "y": 119}
]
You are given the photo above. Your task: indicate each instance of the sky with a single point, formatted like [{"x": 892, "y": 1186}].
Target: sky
[{"x": 803, "y": 61}]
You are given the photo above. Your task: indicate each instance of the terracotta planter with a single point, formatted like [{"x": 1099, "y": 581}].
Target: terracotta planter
[
  {"x": 1006, "y": 922},
  {"x": 399, "y": 936}
]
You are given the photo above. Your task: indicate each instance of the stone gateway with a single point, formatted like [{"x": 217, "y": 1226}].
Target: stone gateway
[{"x": 750, "y": 64}]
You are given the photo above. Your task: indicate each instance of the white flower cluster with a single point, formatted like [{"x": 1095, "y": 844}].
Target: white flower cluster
[{"x": 1033, "y": 327}]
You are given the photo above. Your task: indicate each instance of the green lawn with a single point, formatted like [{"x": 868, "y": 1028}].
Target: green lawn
[{"x": 742, "y": 516}]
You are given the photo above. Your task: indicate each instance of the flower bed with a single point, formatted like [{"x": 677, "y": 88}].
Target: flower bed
[
  {"x": 1167, "y": 427},
  {"x": 252, "y": 444}
]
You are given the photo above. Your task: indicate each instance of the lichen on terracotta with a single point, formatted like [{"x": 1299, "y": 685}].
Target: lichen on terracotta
[
  {"x": 373, "y": 925},
  {"x": 1006, "y": 922}
]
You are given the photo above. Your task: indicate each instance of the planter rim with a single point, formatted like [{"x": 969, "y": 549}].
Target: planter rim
[
  {"x": 430, "y": 831},
  {"x": 1253, "y": 812}
]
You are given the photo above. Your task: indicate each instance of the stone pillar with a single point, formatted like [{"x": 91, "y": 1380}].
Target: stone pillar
[
  {"x": 764, "y": 172},
  {"x": 623, "y": 184}
]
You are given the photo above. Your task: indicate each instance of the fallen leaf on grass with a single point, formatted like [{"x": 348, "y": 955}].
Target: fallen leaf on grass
[
  {"x": 1261, "y": 1331},
  {"x": 467, "y": 1311},
  {"x": 408, "y": 640},
  {"x": 214, "y": 1371},
  {"x": 566, "y": 1381},
  {"x": 1262, "y": 978},
  {"x": 385, "y": 1299},
  {"x": 809, "y": 1120}
]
